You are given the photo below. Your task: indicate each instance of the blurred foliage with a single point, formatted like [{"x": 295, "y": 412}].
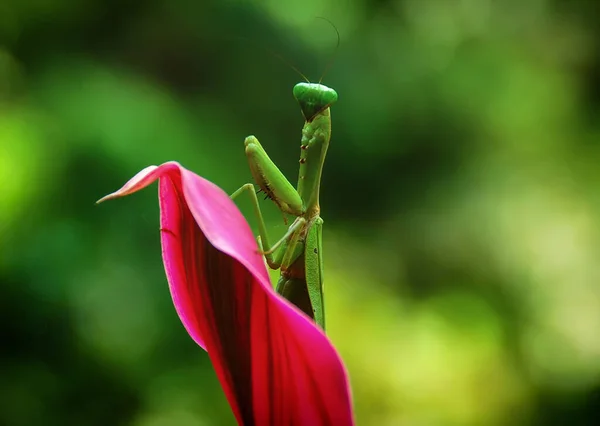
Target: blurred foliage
[{"x": 460, "y": 197}]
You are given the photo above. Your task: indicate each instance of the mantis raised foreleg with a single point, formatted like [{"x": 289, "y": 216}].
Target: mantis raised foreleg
[{"x": 299, "y": 253}]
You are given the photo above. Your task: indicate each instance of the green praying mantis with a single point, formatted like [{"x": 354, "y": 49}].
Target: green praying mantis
[{"x": 298, "y": 254}]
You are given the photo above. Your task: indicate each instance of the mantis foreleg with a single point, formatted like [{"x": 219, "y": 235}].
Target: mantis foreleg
[
  {"x": 270, "y": 179},
  {"x": 273, "y": 183}
]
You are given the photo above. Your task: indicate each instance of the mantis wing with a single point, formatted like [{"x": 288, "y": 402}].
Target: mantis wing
[{"x": 314, "y": 269}]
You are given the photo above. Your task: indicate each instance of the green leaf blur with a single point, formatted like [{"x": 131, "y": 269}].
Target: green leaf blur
[{"x": 460, "y": 200}]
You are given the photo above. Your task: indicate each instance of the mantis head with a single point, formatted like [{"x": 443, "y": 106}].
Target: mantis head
[{"x": 314, "y": 98}]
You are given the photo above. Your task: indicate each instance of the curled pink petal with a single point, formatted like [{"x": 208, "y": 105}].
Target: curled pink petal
[{"x": 276, "y": 367}]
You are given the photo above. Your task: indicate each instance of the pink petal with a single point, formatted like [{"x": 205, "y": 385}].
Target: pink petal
[{"x": 276, "y": 367}]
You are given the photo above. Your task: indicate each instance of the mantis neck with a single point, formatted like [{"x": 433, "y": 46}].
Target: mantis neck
[{"x": 315, "y": 141}]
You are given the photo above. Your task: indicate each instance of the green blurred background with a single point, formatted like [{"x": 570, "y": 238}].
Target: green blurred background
[{"x": 460, "y": 198}]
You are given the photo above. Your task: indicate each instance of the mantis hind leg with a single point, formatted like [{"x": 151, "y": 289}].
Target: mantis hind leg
[
  {"x": 279, "y": 253},
  {"x": 274, "y": 254}
]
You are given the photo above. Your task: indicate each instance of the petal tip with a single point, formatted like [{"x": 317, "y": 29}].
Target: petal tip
[
  {"x": 106, "y": 197},
  {"x": 139, "y": 181}
]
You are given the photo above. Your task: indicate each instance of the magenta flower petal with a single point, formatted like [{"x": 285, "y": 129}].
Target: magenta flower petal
[{"x": 276, "y": 367}]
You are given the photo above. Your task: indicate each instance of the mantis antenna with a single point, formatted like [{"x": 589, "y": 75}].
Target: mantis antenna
[
  {"x": 332, "y": 59},
  {"x": 329, "y": 64},
  {"x": 288, "y": 63},
  {"x": 275, "y": 54}
]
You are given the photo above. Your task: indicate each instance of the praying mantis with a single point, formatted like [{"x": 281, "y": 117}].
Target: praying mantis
[{"x": 298, "y": 254}]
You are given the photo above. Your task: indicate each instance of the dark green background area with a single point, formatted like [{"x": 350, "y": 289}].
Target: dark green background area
[{"x": 460, "y": 197}]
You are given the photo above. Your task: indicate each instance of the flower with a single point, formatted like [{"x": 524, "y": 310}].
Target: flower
[{"x": 274, "y": 364}]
